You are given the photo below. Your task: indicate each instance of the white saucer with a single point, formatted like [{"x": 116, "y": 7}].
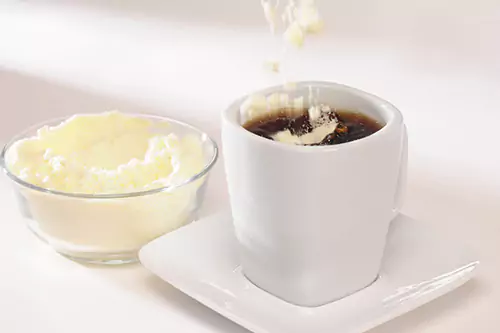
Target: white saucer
[{"x": 201, "y": 261}]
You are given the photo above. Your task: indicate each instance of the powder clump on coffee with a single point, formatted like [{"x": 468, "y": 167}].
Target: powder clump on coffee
[
  {"x": 322, "y": 121},
  {"x": 318, "y": 125}
]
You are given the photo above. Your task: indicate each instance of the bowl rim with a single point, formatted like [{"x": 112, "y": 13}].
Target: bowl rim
[{"x": 169, "y": 188}]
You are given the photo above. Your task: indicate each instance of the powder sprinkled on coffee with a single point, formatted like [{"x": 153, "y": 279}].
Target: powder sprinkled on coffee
[{"x": 316, "y": 126}]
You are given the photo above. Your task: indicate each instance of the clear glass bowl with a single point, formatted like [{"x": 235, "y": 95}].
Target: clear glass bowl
[{"x": 111, "y": 228}]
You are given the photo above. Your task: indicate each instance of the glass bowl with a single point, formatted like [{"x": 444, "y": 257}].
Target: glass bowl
[{"x": 111, "y": 228}]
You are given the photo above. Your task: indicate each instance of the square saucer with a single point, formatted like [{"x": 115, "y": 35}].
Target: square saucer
[{"x": 201, "y": 260}]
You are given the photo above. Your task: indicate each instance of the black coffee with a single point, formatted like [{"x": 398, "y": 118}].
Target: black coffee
[{"x": 351, "y": 126}]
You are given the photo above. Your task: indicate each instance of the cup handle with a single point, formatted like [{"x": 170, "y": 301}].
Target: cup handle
[{"x": 403, "y": 166}]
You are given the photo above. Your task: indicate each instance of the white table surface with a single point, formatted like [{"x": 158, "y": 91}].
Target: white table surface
[{"x": 437, "y": 60}]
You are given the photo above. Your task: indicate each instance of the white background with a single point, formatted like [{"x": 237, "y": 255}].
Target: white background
[{"x": 437, "y": 60}]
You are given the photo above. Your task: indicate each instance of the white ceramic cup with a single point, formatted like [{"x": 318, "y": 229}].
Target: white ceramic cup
[{"x": 312, "y": 221}]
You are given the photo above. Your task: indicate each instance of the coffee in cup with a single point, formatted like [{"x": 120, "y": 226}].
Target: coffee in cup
[{"x": 334, "y": 126}]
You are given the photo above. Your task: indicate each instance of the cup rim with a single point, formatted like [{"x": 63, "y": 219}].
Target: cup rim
[
  {"x": 206, "y": 168},
  {"x": 378, "y": 102}
]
